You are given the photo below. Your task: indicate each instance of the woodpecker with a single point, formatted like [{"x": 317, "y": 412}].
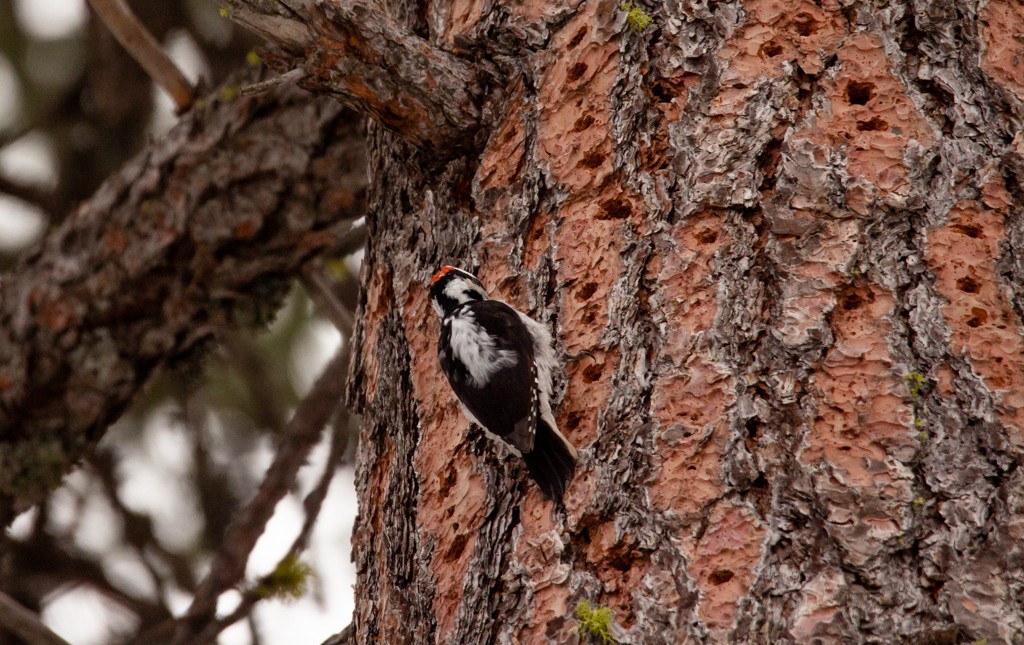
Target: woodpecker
[{"x": 499, "y": 362}]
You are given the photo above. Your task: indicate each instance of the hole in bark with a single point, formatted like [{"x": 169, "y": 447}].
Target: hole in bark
[
  {"x": 623, "y": 558},
  {"x": 593, "y": 373},
  {"x": 577, "y": 70},
  {"x": 573, "y": 420},
  {"x": 593, "y": 159},
  {"x": 768, "y": 162},
  {"x": 968, "y": 284},
  {"x": 446, "y": 480},
  {"x": 587, "y": 290},
  {"x": 511, "y": 132},
  {"x": 874, "y": 124},
  {"x": 720, "y": 576},
  {"x": 583, "y": 123},
  {"x": 851, "y": 301},
  {"x": 859, "y": 93},
  {"x": 771, "y": 49},
  {"x": 968, "y": 229},
  {"x": 752, "y": 427},
  {"x": 578, "y": 38},
  {"x": 978, "y": 317},
  {"x": 660, "y": 92},
  {"x": 615, "y": 208},
  {"x": 707, "y": 236},
  {"x": 805, "y": 24},
  {"x": 588, "y": 316},
  {"x": 456, "y": 548}
]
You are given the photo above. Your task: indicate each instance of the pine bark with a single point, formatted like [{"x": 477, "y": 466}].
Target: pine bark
[
  {"x": 197, "y": 234},
  {"x": 791, "y": 235}
]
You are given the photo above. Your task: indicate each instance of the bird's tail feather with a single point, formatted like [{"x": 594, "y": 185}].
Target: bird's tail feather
[{"x": 552, "y": 462}]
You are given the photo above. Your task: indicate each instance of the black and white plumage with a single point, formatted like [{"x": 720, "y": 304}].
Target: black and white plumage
[{"x": 500, "y": 362}]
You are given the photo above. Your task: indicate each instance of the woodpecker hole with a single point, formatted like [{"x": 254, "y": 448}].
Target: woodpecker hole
[
  {"x": 577, "y": 39},
  {"x": 583, "y": 123},
  {"x": 872, "y": 125},
  {"x": 587, "y": 290},
  {"x": 576, "y": 71},
  {"x": 455, "y": 550},
  {"x": 573, "y": 420},
  {"x": 968, "y": 284},
  {"x": 805, "y": 24},
  {"x": 661, "y": 92},
  {"x": 446, "y": 480},
  {"x": 707, "y": 236},
  {"x": 720, "y": 576},
  {"x": 851, "y": 301},
  {"x": 859, "y": 93},
  {"x": 623, "y": 558},
  {"x": 969, "y": 230},
  {"x": 593, "y": 373},
  {"x": 978, "y": 317},
  {"x": 770, "y": 49},
  {"x": 593, "y": 159},
  {"x": 615, "y": 208}
]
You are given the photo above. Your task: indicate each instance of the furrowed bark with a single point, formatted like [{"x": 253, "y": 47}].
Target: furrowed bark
[
  {"x": 790, "y": 233},
  {"x": 198, "y": 233},
  {"x": 356, "y": 52}
]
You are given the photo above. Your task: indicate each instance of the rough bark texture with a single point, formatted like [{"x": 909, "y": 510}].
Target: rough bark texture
[
  {"x": 198, "y": 233},
  {"x": 791, "y": 234},
  {"x": 356, "y": 52}
]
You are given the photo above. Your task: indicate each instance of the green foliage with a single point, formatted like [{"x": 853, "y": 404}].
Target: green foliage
[
  {"x": 252, "y": 59},
  {"x": 915, "y": 381},
  {"x": 595, "y": 622},
  {"x": 288, "y": 581},
  {"x": 637, "y": 19}
]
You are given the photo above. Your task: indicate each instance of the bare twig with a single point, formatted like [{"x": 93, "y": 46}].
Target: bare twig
[
  {"x": 351, "y": 241},
  {"x": 320, "y": 287},
  {"x": 134, "y": 37},
  {"x": 315, "y": 498},
  {"x": 311, "y": 504},
  {"x": 290, "y": 76},
  {"x": 25, "y": 623},
  {"x": 41, "y": 198},
  {"x": 228, "y": 567}
]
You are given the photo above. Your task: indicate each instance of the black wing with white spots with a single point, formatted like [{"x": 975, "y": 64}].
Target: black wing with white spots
[{"x": 487, "y": 337}]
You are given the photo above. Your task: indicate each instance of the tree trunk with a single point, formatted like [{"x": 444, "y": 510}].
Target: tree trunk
[{"x": 791, "y": 235}]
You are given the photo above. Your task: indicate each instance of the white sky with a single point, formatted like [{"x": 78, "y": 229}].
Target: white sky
[{"x": 79, "y": 615}]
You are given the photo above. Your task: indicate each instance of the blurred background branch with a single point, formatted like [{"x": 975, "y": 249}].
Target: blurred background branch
[{"x": 119, "y": 551}]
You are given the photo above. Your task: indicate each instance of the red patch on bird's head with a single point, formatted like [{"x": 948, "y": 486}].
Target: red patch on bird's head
[{"x": 440, "y": 274}]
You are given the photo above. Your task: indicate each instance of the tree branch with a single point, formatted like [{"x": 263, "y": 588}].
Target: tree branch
[
  {"x": 143, "y": 47},
  {"x": 26, "y": 624},
  {"x": 359, "y": 54},
  {"x": 193, "y": 236},
  {"x": 301, "y": 435}
]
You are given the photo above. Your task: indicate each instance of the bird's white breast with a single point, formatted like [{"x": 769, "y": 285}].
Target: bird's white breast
[{"x": 475, "y": 348}]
